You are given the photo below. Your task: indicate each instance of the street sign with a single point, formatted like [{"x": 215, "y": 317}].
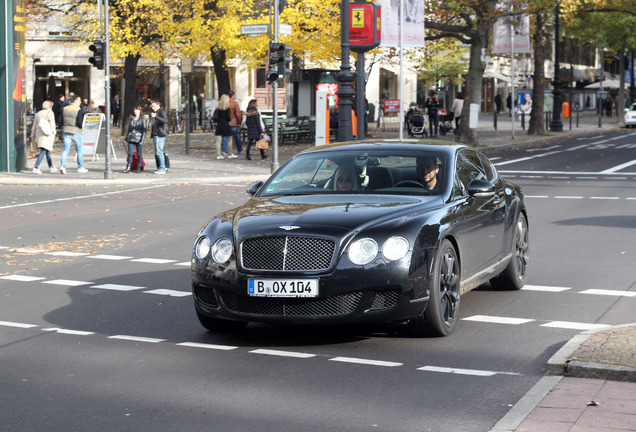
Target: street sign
[
  {"x": 285, "y": 29},
  {"x": 255, "y": 29}
]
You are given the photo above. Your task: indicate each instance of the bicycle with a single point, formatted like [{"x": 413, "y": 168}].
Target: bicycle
[
  {"x": 177, "y": 121},
  {"x": 206, "y": 121}
]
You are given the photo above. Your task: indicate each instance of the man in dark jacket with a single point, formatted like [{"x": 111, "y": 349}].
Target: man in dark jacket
[
  {"x": 158, "y": 133},
  {"x": 432, "y": 107},
  {"x": 57, "y": 110},
  {"x": 115, "y": 107}
]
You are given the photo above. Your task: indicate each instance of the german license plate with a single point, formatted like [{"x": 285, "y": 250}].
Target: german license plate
[{"x": 282, "y": 287}]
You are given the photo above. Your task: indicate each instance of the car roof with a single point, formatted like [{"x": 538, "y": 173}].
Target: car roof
[{"x": 438, "y": 146}]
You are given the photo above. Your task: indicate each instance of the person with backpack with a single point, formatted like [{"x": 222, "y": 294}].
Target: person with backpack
[
  {"x": 72, "y": 120},
  {"x": 158, "y": 133}
]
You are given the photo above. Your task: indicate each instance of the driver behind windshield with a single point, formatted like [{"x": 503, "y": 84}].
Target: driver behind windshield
[
  {"x": 427, "y": 169},
  {"x": 346, "y": 179}
]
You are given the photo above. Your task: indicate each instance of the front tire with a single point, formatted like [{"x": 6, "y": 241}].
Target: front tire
[
  {"x": 514, "y": 275},
  {"x": 441, "y": 313}
]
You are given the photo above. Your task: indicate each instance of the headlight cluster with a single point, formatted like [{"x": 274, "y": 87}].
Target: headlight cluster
[
  {"x": 221, "y": 250},
  {"x": 365, "y": 250}
]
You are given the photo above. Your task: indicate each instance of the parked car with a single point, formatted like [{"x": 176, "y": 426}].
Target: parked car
[
  {"x": 630, "y": 116},
  {"x": 363, "y": 232}
]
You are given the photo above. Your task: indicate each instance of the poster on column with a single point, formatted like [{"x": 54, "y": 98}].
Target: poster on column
[
  {"x": 413, "y": 35},
  {"x": 91, "y": 128}
]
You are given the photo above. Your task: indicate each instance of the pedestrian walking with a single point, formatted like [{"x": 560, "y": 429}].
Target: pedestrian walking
[
  {"x": 432, "y": 108},
  {"x": 255, "y": 128},
  {"x": 57, "y": 110},
  {"x": 222, "y": 117},
  {"x": 43, "y": 134},
  {"x": 498, "y": 102},
  {"x": 235, "y": 121},
  {"x": 509, "y": 104},
  {"x": 72, "y": 132},
  {"x": 608, "y": 106},
  {"x": 200, "y": 107},
  {"x": 115, "y": 107},
  {"x": 458, "y": 106},
  {"x": 135, "y": 138},
  {"x": 158, "y": 133}
]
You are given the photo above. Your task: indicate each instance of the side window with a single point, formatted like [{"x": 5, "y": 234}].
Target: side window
[
  {"x": 469, "y": 167},
  {"x": 489, "y": 169}
]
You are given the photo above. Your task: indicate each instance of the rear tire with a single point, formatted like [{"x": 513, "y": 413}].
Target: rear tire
[
  {"x": 441, "y": 313},
  {"x": 220, "y": 325},
  {"x": 514, "y": 275}
]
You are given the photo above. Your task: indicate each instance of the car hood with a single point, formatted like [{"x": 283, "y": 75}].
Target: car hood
[{"x": 333, "y": 215}]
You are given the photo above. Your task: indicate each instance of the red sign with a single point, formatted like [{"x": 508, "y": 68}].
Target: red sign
[
  {"x": 364, "y": 26},
  {"x": 391, "y": 106}
]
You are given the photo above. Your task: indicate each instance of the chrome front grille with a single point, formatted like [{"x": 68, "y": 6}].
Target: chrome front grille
[
  {"x": 287, "y": 253},
  {"x": 342, "y": 304}
]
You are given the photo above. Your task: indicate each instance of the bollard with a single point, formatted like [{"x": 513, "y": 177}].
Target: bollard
[
  {"x": 494, "y": 120},
  {"x": 523, "y": 121},
  {"x": 577, "y": 118}
]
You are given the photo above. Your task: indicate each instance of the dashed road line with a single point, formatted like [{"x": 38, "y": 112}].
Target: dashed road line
[
  {"x": 170, "y": 293},
  {"x": 545, "y": 288},
  {"x": 111, "y": 257},
  {"x": 16, "y": 324},
  {"x": 280, "y": 353},
  {"x": 22, "y": 278},
  {"x": 460, "y": 371},
  {"x": 68, "y": 332},
  {"x": 117, "y": 287},
  {"x": 498, "y": 320},
  {"x": 365, "y": 361},
  {"x": 574, "y": 325},
  {"x": 609, "y": 292},
  {"x": 137, "y": 338},
  {"x": 207, "y": 346},
  {"x": 65, "y": 282}
]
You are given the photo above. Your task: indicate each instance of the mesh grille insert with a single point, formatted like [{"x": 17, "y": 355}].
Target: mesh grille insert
[{"x": 287, "y": 253}]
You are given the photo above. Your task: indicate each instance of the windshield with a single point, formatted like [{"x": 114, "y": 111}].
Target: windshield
[{"x": 401, "y": 172}]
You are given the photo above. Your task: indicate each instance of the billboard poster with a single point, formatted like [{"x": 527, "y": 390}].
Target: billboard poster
[
  {"x": 90, "y": 133},
  {"x": 413, "y": 21},
  {"x": 520, "y": 25},
  {"x": 332, "y": 93},
  {"x": 524, "y": 102}
]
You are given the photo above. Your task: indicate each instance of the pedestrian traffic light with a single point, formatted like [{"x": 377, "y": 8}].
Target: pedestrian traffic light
[
  {"x": 278, "y": 61},
  {"x": 98, "y": 54}
]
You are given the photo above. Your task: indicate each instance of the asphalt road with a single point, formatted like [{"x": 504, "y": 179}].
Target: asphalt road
[{"x": 98, "y": 331}]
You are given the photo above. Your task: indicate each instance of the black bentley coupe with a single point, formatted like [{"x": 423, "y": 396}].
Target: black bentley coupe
[{"x": 363, "y": 232}]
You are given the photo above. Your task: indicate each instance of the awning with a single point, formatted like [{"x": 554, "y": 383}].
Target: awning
[{"x": 501, "y": 77}]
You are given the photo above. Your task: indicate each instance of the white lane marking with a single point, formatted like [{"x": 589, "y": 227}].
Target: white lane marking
[
  {"x": 116, "y": 287},
  {"x": 185, "y": 264},
  {"x": 568, "y": 197},
  {"x": 365, "y": 361},
  {"x": 609, "y": 292},
  {"x": 282, "y": 353},
  {"x": 66, "y": 282},
  {"x": 136, "y": 338},
  {"x": 21, "y": 278},
  {"x": 207, "y": 346},
  {"x": 68, "y": 254},
  {"x": 170, "y": 293},
  {"x": 523, "y": 159},
  {"x": 498, "y": 320},
  {"x": 574, "y": 325},
  {"x": 619, "y": 167},
  {"x": 16, "y": 324},
  {"x": 154, "y": 260},
  {"x": 458, "y": 371},
  {"x": 82, "y": 197},
  {"x": 544, "y": 288},
  {"x": 67, "y": 331},
  {"x": 536, "y": 196},
  {"x": 111, "y": 257},
  {"x": 605, "y": 198},
  {"x": 566, "y": 173},
  {"x": 29, "y": 251}
]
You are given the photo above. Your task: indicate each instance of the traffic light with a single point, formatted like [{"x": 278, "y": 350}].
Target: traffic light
[
  {"x": 98, "y": 54},
  {"x": 279, "y": 60}
]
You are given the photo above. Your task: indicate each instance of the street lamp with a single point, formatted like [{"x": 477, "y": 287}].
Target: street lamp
[
  {"x": 345, "y": 77},
  {"x": 556, "y": 125}
]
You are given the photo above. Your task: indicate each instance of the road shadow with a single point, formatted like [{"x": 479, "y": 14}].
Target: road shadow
[{"x": 627, "y": 221}]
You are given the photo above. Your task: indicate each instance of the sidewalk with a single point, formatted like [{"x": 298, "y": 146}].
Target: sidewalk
[{"x": 590, "y": 383}]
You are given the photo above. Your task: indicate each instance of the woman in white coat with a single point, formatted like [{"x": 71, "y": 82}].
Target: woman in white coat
[{"x": 44, "y": 135}]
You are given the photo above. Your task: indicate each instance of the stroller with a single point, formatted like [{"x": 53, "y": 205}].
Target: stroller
[
  {"x": 418, "y": 124},
  {"x": 446, "y": 122}
]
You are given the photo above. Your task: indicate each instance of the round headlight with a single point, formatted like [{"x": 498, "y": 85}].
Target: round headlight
[
  {"x": 202, "y": 247},
  {"x": 222, "y": 250},
  {"x": 395, "y": 248},
  {"x": 363, "y": 251}
]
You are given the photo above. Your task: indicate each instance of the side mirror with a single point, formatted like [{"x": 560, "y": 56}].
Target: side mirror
[
  {"x": 480, "y": 188},
  {"x": 254, "y": 187}
]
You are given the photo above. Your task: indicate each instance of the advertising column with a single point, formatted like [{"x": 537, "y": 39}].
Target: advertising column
[{"x": 13, "y": 149}]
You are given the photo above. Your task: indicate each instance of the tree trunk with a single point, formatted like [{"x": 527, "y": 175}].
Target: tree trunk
[
  {"x": 220, "y": 70},
  {"x": 130, "y": 89},
  {"x": 542, "y": 46},
  {"x": 474, "y": 80}
]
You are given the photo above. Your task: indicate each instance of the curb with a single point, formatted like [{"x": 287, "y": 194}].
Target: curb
[{"x": 562, "y": 363}]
